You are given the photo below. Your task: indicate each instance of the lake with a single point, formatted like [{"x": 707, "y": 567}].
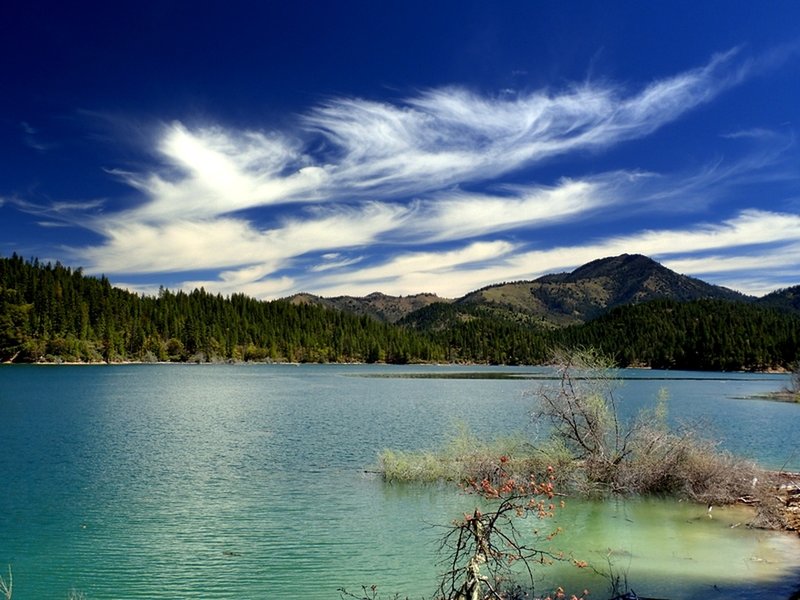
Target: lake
[{"x": 252, "y": 481}]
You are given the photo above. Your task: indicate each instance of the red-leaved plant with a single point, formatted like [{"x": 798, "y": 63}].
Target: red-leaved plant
[{"x": 485, "y": 549}]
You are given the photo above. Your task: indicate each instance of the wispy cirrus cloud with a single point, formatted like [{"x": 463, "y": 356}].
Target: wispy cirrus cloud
[
  {"x": 748, "y": 243},
  {"x": 756, "y": 133},
  {"x": 210, "y": 172},
  {"x": 31, "y": 137},
  {"x": 451, "y": 135},
  {"x": 446, "y": 272},
  {"x": 457, "y": 214},
  {"x": 411, "y": 195},
  {"x": 193, "y": 244}
]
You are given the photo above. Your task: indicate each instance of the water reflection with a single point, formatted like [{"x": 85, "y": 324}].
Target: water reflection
[
  {"x": 246, "y": 481},
  {"x": 673, "y": 549}
]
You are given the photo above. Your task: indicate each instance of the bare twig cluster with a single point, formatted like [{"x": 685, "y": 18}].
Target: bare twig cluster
[
  {"x": 7, "y": 587},
  {"x": 582, "y": 411},
  {"x": 486, "y": 549}
]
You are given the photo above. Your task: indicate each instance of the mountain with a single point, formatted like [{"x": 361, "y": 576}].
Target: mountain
[
  {"x": 787, "y": 299},
  {"x": 389, "y": 309},
  {"x": 648, "y": 316},
  {"x": 551, "y": 301},
  {"x": 593, "y": 289}
]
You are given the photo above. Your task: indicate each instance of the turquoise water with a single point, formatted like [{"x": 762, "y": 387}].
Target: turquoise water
[{"x": 248, "y": 481}]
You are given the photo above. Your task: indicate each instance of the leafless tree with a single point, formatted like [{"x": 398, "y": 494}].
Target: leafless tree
[{"x": 582, "y": 410}]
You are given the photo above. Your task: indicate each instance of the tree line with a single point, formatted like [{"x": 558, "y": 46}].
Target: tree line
[
  {"x": 49, "y": 312},
  {"x": 712, "y": 335},
  {"x": 54, "y": 313}
]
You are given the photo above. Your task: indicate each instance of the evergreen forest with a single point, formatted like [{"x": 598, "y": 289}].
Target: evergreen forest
[{"x": 52, "y": 313}]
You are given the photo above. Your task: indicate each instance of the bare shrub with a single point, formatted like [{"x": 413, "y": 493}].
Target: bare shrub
[
  {"x": 581, "y": 409},
  {"x": 642, "y": 456},
  {"x": 682, "y": 464},
  {"x": 481, "y": 549},
  {"x": 777, "y": 502},
  {"x": 794, "y": 382},
  {"x": 590, "y": 448}
]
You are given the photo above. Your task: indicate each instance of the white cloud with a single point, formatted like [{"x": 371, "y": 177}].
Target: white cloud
[
  {"x": 741, "y": 237},
  {"x": 457, "y": 273},
  {"x": 457, "y": 215},
  {"x": 750, "y": 227},
  {"x": 215, "y": 172},
  {"x": 226, "y": 242},
  {"x": 138, "y": 247},
  {"x": 448, "y": 136},
  {"x": 717, "y": 264},
  {"x": 30, "y": 137},
  {"x": 442, "y": 272},
  {"x": 277, "y": 212},
  {"x": 329, "y": 264},
  {"x": 274, "y": 287},
  {"x": 756, "y": 133}
]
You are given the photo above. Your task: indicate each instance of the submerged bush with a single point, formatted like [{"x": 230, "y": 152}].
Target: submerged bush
[
  {"x": 684, "y": 465},
  {"x": 589, "y": 446},
  {"x": 465, "y": 457}
]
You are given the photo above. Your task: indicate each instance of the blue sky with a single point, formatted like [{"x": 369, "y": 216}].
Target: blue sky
[{"x": 347, "y": 147}]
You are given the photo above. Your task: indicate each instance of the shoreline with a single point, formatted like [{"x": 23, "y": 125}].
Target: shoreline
[{"x": 782, "y": 396}]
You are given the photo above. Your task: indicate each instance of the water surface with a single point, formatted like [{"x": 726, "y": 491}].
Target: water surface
[{"x": 248, "y": 481}]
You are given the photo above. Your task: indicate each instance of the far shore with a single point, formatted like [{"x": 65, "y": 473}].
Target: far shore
[{"x": 782, "y": 396}]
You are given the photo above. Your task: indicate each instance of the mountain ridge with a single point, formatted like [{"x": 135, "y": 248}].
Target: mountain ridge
[
  {"x": 50, "y": 313},
  {"x": 553, "y": 300},
  {"x": 380, "y": 306}
]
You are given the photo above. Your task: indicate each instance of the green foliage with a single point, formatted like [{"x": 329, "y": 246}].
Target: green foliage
[
  {"x": 482, "y": 334},
  {"x": 52, "y": 313},
  {"x": 715, "y": 335},
  {"x": 720, "y": 335}
]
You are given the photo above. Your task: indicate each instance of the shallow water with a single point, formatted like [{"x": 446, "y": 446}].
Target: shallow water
[{"x": 247, "y": 481}]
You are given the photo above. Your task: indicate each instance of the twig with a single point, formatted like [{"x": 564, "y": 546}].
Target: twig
[{"x": 7, "y": 588}]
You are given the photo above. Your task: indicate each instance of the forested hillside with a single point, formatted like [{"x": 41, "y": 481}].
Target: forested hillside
[
  {"x": 50, "y": 312},
  {"x": 53, "y": 313},
  {"x": 593, "y": 289},
  {"x": 716, "y": 335}
]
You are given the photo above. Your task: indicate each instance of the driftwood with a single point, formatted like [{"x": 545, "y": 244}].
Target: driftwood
[{"x": 633, "y": 596}]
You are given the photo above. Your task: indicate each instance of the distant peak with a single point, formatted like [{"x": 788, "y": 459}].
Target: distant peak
[{"x": 613, "y": 265}]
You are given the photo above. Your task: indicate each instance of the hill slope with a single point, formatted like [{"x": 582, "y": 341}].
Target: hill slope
[
  {"x": 705, "y": 334},
  {"x": 381, "y": 307},
  {"x": 595, "y": 288},
  {"x": 551, "y": 301},
  {"x": 787, "y": 299}
]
